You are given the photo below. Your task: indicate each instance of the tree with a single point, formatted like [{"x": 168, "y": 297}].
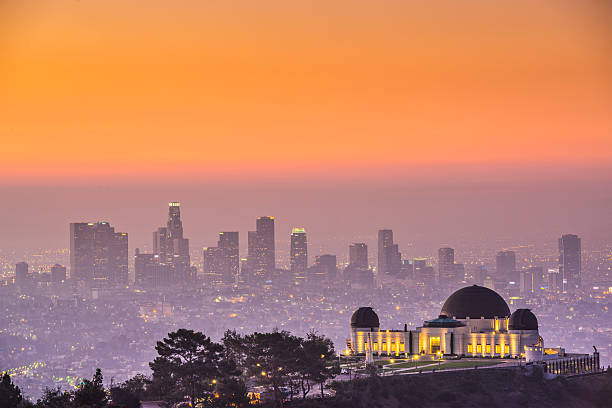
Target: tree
[
  {"x": 10, "y": 394},
  {"x": 189, "y": 361},
  {"x": 269, "y": 358},
  {"x": 317, "y": 361},
  {"x": 137, "y": 385},
  {"x": 124, "y": 398},
  {"x": 54, "y": 398},
  {"x": 91, "y": 394}
]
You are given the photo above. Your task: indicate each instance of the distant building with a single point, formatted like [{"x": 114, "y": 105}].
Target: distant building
[
  {"x": 229, "y": 242},
  {"x": 459, "y": 272},
  {"x": 358, "y": 255},
  {"x": 22, "y": 275},
  {"x": 389, "y": 257},
  {"x": 261, "y": 248},
  {"x": 553, "y": 280},
  {"x": 531, "y": 280},
  {"x": 423, "y": 274},
  {"x": 172, "y": 247},
  {"x": 358, "y": 273},
  {"x": 505, "y": 266},
  {"x": 98, "y": 254},
  {"x": 570, "y": 262},
  {"x": 407, "y": 269},
  {"x": 446, "y": 266},
  {"x": 477, "y": 274},
  {"x": 214, "y": 265},
  {"x": 325, "y": 269},
  {"x": 58, "y": 273},
  {"x": 298, "y": 251},
  {"x": 150, "y": 272}
]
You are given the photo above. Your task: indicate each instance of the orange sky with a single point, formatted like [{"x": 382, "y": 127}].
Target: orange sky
[{"x": 118, "y": 89}]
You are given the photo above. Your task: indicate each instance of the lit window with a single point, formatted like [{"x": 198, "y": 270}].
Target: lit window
[
  {"x": 497, "y": 349},
  {"x": 479, "y": 348},
  {"x": 402, "y": 347},
  {"x": 392, "y": 346},
  {"x": 488, "y": 349},
  {"x": 470, "y": 348},
  {"x": 375, "y": 346},
  {"x": 384, "y": 346},
  {"x": 507, "y": 349}
]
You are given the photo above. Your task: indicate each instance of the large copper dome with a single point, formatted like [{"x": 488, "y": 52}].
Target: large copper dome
[{"x": 475, "y": 302}]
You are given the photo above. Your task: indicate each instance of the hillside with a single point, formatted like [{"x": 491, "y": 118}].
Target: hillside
[{"x": 484, "y": 388}]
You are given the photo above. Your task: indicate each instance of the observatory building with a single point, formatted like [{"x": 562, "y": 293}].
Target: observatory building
[{"x": 474, "y": 322}]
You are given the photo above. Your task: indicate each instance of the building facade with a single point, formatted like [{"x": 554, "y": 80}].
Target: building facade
[
  {"x": 389, "y": 257},
  {"x": 261, "y": 248},
  {"x": 172, "y": 247},
  {"x": 474, "y": 322},
  {"x": 447, "y": 273},
  {"x": 98, "y": 254},
  {"x": 570, "y": 262},
  {"x": 298, "y": 251},
  {"x": 505, "y": 266}
]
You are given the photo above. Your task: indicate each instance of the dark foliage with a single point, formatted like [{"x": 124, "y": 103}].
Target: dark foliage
[
  {"x": 55, "y": 398},
  {"x": 190, "y": 364},
  {"x": 124, "y": 398},
  {"x": 10, "y": 394},
  {"x": 90, "y": 394}
]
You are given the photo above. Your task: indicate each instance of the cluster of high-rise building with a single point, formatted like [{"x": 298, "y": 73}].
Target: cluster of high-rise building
[
  {"x": 170, "y": 261},
  {"x": 99, "y": 257}
]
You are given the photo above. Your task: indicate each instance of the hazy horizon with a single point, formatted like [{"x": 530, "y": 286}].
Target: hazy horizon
[{"x": 423, "y": 216}]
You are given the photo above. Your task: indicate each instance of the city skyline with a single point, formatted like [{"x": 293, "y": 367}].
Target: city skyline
[
  {"x": 287, "y": 204},
  {"x": 96, "y": 259}
]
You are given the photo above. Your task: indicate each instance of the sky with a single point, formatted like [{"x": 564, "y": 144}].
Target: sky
[{"x": 246, "y": 108}]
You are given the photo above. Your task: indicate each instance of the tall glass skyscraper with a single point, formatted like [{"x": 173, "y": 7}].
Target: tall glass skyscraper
[
  {"x": 505, "y": 266},
  {"x": 358, "y": 255},
  {"x": 447, "y": 272},
  {"x": 261, "y": 256},
  {"x": 570, "y": 262},
  {"x": 389, "y": 257},
  {"x": 172, "y": 247},
  {"x": 298, "y": 250}
]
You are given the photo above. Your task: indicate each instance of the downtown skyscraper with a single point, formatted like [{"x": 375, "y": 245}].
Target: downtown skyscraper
[
  {"x": 221, "y": 264},
  {"x": 447, "y": 271},
  {"x": 505, "y": 266},
  {"x": 261, "y": 248},
  {"x": 298, "y": 250},
  {"x": 172, "y": 247},
  {"x": 358, "y": 273},
  {"x": 22, "y": 275},
  {"x": 570, "y": 262},
  {"x": 98, "y": 254},
  {"x": 389, "y": 257},
  {"x": 358, "y": 255}
]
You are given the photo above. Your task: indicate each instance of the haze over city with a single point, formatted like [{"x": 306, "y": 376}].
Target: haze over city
[{"x": 339, "y": 176}]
